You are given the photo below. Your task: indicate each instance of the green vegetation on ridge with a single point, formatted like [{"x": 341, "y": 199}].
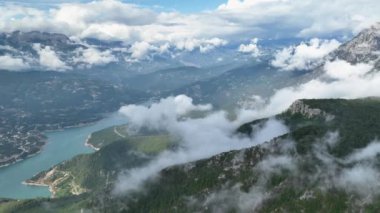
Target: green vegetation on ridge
[{"x": 286, "y": 172}]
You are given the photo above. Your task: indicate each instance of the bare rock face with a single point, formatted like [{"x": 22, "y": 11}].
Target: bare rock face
[
  {"x": 299, "y": 107},
  {"x": 364, "y": 48}
]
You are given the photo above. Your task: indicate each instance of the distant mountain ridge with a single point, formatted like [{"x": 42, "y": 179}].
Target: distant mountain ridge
[
  {"x": 23, "y": 40},
  {"x": 306, "y": 170}
]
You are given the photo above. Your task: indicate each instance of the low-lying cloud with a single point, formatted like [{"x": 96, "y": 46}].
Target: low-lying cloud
[
  {"x": 250, "y": 48},
  {"x": 49, "y": 59},
  {"x": 351, "y": 175},
  {"x": 362, "y": 82},
  {"x": 214, "y": 133},
  {"x": 93, "y": 56},
  {"x": 342, "y": 70},
  {"x": 8, "y": 62},
  {"x": 199, "y": 137},
  {"x": 305, "y": 56}
]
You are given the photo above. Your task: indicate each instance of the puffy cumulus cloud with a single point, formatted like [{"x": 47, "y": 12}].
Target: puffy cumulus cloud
[
  {"x": 185, "y": 105},
  {"x": 210, "y": 44},
  {"x": 106, "y": 19},
  {"x": 250, "y": 48},
  {"x": 199, "y": 137},
  {"x": 304, "y": 56},
  {"x": 8, "y": 62},
  {"x": 93, "y": 56},
  {"x": 343, "y": 70},
  {"x": 25, "y": 19},
  {"x": 49, "y": 59},
  {"x": 81, "y": 17},
  {"x": 304, "y": 18},
  {"x": 140, "y": 49},
  {"x": 204, "y": 45},
  {"x": 163, "y": 114},
  {"x": 115, "y": 20}
]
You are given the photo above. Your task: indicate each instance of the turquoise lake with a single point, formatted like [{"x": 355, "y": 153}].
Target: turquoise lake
[{"x": 61, "y": 146}]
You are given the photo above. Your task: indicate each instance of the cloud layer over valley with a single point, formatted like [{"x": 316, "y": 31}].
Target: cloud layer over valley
[
  {"x": 214, "y": 132},
  {"x": 199, "y": 137}
]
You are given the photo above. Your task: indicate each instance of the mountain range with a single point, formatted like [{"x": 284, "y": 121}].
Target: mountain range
[{"x": 326, "y": 162}]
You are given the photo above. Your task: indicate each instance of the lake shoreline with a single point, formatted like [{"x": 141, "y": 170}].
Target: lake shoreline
[
  {"x": 61, "y": 145},
  {"x": 88, "y": 144},
  {"x": 44, "y": 133},
  {"x": 18, "y": 160}
]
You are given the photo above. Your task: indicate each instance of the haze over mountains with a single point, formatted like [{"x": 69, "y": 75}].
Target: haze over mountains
[
  {"x": 256, "y": 106},
  {"x": 236, "y": 78}
]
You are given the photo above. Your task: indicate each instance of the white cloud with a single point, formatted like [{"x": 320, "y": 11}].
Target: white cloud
[
  {"x": 210, "y": 44},
  {"x": 304, "y": 56},
  {"x": 80, "y": 17},
  {"x": 184, "y": 104},
  {"x": 343, "y": 70},
  {"x": 350, "y": 174},
  {"x": 213, "y": 134},
  {"x": 11, "y": 63},
  {"x": 115, "y": 20},
  {"x": 163, "y": 114},
  {"x": 204, "y": 45},
  {"x": 200, "y": 137},
  {"x": 8, "y": 48},
  {"x": 94, "y": 56},
  {"x": 273, "y": 164},
  {"x": 305, "y": 18},
  {"x": 369, "y": 152},
  {"x": 361, "y": 179},
  {"x": 319, "y": 88},
  {"x": 242, "y": 4},
  {"x": 234, "y": 198},
  {"x": 250, "y": 48},
  {"x": 140, "y": 49},
  {"x": 49, "y": 59}
]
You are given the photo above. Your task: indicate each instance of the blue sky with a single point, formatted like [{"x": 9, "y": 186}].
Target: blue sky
[
  {"x": 182, "y": 5},
  {"x": 185, "y": 6}
]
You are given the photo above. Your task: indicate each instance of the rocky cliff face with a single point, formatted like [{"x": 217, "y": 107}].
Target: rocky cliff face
[
  {"x": 364, "y": 48},
  {"x": 300, "y": 107}
]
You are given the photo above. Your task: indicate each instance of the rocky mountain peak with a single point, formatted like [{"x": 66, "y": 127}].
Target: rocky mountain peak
[
  {"x": 365, "y": 47},
  {"x": 300, "y": 107}
]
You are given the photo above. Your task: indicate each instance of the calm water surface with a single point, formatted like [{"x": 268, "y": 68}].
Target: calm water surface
[{"x": 62, "y": 145}]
